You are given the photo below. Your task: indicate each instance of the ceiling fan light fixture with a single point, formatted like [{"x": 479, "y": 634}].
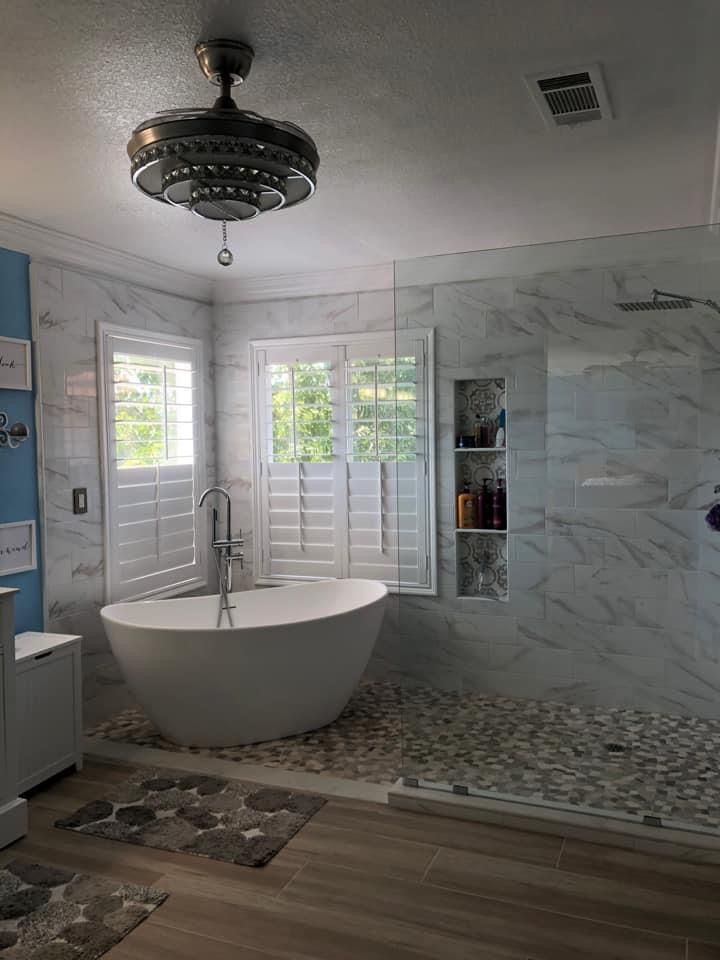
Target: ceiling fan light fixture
[{"x": 222, "y": 163}]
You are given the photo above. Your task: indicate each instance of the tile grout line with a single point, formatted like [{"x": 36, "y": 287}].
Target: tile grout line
[
  {"x": 289, "y": 882},
  {"x": 430, "y": 865},
  {"x": 560, "y": 853},
  {"x": 559, "y": 913}
]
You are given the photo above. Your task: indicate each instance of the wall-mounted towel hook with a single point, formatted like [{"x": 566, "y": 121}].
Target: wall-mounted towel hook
[{"x": 12, "y": 436}]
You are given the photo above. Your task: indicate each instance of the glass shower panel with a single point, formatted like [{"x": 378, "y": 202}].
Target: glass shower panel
[{"x": 571, "y": 657}]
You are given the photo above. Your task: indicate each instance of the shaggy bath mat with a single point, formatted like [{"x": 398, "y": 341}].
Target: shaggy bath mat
[
  {"x": 51, "y": 914},
  {"x": 193, "y": 813}
]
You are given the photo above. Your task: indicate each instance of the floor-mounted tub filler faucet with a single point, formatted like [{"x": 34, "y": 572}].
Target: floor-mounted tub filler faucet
[{"x": 223, "y": 551}]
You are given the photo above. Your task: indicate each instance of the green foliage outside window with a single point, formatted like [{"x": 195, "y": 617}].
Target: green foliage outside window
[
  {"x": 152, "y": 410},
  {"x": 380, "y": 405},
  {"x": 301, "y": 407}
]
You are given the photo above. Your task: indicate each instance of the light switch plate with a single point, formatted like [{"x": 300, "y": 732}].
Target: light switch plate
[{"x": 80, "y": 500}]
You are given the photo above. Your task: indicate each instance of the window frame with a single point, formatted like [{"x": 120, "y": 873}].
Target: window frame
[
  {"x": 338, "y": 342},
  {"x": 105, "y": 331}
]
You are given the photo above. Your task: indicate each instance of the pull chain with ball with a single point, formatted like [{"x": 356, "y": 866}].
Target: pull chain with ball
[{"x": 225, "y": 257}]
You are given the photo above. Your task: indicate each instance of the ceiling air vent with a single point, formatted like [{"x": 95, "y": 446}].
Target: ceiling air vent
[{"x": 567, "y": 97}]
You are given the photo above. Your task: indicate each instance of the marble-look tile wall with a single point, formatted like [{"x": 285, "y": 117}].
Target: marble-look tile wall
[
  {"x": 614, "y": 452},
  {"x": 66, "y": 307}
]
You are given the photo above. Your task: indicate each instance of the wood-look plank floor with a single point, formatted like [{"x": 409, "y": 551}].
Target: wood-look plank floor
[{"x": 367, "y": 882}]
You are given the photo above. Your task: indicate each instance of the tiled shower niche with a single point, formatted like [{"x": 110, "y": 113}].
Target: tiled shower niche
[{"x": 481, "y": 555}]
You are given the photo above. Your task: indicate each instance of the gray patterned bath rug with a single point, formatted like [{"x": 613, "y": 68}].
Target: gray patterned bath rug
[
  {"x": 52, "y": 914},
  {"x": 202, "y": 815}
]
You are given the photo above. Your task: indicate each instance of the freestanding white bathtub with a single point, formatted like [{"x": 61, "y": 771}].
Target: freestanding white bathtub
[{"x": 288, "y": 665}]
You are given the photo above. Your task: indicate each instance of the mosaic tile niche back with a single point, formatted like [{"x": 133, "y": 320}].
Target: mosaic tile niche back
[{"x": 481, "y": 547}]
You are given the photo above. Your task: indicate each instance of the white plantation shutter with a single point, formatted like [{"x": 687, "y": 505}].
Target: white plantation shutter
[
  {"x": 296, "y": 414},
  {"x": 153, "y": 462},
  {"x": 386, "y": 431},
  {"x": 343, "y": 428}
]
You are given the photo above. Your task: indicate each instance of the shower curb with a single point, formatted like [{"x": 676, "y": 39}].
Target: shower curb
[
  {"x": 111, "y": 751},
  {"x": 668, "y": 840}
]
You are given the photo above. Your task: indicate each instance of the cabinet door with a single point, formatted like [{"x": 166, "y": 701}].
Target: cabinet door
[{"x": 46, "y": 717}]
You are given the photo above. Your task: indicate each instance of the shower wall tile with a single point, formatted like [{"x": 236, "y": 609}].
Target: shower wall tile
[
  {"x": 542, "y": 576},
  {"x": 561, "y": 290},
  {"x": 528, "y": 549},
  {"x": 621, "y": 670},
  {"x": 624, "y": 405},
  {"x": 67, "y": 307},
  {"x": 638, "y": 583},
  {"x": 658, "y": 554},
  {"x": 527, "y": 658},
  {"x": 591, "y": 523},
  {"x": 571, "y": 549}
]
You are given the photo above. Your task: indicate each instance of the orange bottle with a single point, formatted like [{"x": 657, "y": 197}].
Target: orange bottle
[{"x": 466, "y": 509}]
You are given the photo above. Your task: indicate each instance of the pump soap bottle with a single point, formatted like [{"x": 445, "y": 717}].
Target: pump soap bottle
[{"x": 466, "y": 509}]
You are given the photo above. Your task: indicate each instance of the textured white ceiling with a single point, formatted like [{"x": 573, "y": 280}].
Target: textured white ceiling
[{"x": 428, "y": 140}]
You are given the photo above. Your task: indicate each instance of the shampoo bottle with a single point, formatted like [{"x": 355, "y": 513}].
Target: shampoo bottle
[
  {"x": 466, "y": 509},
  {"x": 482, "y": 431},
  {"x": 485, "y": 501},
  {"x": 499, "y": 506}
]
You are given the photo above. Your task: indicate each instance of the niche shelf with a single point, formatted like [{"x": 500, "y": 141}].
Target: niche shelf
[{"x": 481, "y": 555}]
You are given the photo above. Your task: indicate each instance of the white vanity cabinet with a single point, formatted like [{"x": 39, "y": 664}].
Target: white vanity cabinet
[
  {"x": 13, "y": 809},
  {"x": 49, "y": 705}
]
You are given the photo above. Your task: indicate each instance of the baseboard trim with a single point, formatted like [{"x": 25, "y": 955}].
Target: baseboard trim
[
  {"x": 592, "y": 827},
  {"x": 13, "y": 821}
]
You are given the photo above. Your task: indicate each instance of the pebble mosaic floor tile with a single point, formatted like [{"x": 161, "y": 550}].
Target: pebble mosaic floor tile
[
  {"x": 362, "y": 744},
  {"x": 617, "y": 760},
  {"x": 52, "y": 914},
  {"x": 201, "y": 815}
]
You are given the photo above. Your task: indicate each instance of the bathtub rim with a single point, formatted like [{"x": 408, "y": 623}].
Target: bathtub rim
[{"x": 106, "y": 615}]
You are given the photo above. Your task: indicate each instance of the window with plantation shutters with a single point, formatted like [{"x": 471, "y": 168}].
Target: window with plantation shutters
[
  {"x": 343, "y": 435},
  {"x": 153, "y": 462}
]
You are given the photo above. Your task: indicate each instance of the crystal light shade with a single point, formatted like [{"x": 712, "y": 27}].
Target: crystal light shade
[{"x": 223, "y": 163}]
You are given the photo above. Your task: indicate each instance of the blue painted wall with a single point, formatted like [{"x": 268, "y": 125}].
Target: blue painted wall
[{"x": 18, "y": 468}]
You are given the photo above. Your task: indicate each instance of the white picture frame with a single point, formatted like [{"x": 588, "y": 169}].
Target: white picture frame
[
  {"x": 15, "y": 364},
  {"x": 17, "y": 547}
]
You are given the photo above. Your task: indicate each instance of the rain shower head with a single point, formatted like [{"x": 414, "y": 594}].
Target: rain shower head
[{"x": 661, "y": 300}]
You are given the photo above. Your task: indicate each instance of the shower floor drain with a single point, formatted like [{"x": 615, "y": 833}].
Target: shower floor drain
[{"x": 614, "y": 747}]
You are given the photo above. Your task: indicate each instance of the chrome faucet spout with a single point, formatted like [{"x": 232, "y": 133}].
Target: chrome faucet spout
[{"x": 228, "y": 508}]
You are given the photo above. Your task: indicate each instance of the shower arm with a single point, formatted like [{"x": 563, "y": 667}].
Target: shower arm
[{"x": 681, "y": 296}]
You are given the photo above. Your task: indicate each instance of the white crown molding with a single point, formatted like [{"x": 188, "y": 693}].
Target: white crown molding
[
  {"x": 321, "y": 283},
  {"x": 42, "y": 243}
]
